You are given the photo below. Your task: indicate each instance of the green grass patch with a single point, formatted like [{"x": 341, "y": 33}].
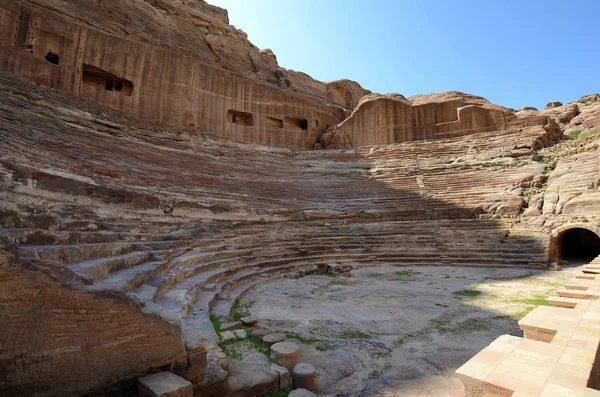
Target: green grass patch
[
  {"x": 300, "y": 338},
  {"x": 377, "y": 275},
  {"x": 353, "y": 335},
  {"x": 406, "y": 273},
  {"x": 216, "y": 324},
  {"x": 537, "y": 300},
  {"x": 377, "y": 373},
  {"x": 325, "y": 348},
  {"x": 575, "y": 133},
  {"x": 340, "y": 281},
  {"x": 383, "y": 353},
  {"x": 467, "y": 292},
  {"x": 239, "y": 307},
  {"x": 519, "y": 277}
]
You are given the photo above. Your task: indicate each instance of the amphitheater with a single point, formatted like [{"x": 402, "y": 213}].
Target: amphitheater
[{"x": 172, "y": 200}]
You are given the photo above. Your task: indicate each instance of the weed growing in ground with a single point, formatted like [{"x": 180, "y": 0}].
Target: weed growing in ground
[
  {"x": 300, "y": 338},
  {"x": 575, "y": 133},
  {"x": 239, "y": 307},
  {"x": 379, "y": 372},
  {"x": 216, "y": 324},
  {"x": 353, "y": 335},
  {"x": 467, "y": 292},
  {"x": 519, "y": 277},
  {"x": 325, "y": 348}
]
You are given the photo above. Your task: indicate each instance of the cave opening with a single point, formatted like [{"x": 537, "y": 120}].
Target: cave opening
[
  {"x": 296, "y": 122},
  {"x": 52, "y": 58},
  {"x": 578, "y": 245}
]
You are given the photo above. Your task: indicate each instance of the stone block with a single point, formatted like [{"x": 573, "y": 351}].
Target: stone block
[
  {"x": 231, "y": 325},
  {"x": 228, "y": 336},
  {"x": 240, "y": 333},
  {"x": 164, "y": 384},
  {"x": 270, "y": 339},
  {"x": 303, "y": 376},
  {"x": 260, "y": 332},
  {"x": 284, "y": 376},
  {"x": 286, "y": 354},
  {"x": 249, "y": 321}
]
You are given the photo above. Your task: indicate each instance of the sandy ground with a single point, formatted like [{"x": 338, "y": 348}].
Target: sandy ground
[{"x": 399, "y": 331}]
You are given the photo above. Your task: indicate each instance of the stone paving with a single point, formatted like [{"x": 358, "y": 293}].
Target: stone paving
[
  {"x": 399, "y": 331},
  {"x": 557, "y": 355}
]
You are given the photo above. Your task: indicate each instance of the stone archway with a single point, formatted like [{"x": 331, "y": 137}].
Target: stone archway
[{"x": 576, "y": 243}]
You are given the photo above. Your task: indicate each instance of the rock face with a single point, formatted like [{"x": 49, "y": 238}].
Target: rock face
[
  {"x": 58, "y": 328},
  {"x": 155, "y": 166},
  {"x": 175, "y": 63},
  {"x": 386, "y": 119}
]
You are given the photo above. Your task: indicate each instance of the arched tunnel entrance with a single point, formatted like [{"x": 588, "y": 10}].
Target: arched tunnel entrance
[{"x": 578, "y": 245}]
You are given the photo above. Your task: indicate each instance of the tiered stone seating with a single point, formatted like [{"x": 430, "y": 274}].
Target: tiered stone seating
[
  {"x": 184, "y": 226},
  {"x": 557, "y": 357}
]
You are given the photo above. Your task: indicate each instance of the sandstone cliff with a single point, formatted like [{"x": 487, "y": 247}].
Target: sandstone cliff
[{"x": 155, "y": 165}]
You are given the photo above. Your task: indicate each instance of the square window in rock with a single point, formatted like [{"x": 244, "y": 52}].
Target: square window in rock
[
  {"x": 243, "y": 118},
  {"x": 110, "y": 82}
]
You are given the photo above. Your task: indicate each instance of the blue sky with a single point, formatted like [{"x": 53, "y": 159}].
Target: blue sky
[{"x": 514, "y": 53}]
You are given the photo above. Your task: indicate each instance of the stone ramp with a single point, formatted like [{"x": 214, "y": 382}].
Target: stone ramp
[{"x": 558, "y": 355}]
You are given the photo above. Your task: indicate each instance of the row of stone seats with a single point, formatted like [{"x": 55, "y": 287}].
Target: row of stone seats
[
  {"x": 413, "y": 176},
  {"x": 218, "y": 269},
  {"x": 185, "y": 278},
  {"x": 558, "y": 355}
]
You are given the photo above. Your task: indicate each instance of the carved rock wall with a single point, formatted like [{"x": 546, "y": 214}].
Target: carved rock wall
[
  {"x": 385, "y": 119},
  {"x": 163, "y": 84}
]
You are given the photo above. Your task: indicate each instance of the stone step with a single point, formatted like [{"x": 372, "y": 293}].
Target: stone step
[
  {"x": 101, "y": 267},
  {"x": 127, "y": 279},
  {"x": 68, "y": 254}
]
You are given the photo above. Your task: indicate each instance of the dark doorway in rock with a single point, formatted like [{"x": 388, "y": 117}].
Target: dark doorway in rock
[
  {"x": 578, "y": 245},
  {"x": 110, "y": 82},
  {"x": 295, "y": 122},
  {"x": 52, "y": 58}
]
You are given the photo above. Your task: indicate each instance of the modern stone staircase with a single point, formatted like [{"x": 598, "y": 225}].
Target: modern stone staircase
[{"x": 558, "y": 355}]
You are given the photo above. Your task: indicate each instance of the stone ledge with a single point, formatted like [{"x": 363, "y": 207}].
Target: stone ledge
[{"x": 556, "y": 357}]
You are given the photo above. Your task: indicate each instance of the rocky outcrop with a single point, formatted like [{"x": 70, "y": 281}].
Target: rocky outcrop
[
  {"x": 176, "y": 63},
  {"x": 391, "y": 118},
  {"x": 551, "y": 105},
  {"x": 154, "y": 169},
  {"x": 60, "y": 341}
]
